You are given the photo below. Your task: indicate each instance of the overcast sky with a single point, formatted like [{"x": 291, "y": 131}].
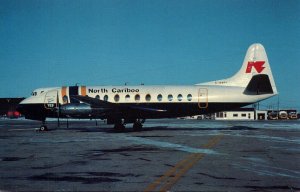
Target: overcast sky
[{"x": 47, "y": 43}]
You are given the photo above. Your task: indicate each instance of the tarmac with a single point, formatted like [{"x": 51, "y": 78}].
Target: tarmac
[{"x": 168, "y": 155}]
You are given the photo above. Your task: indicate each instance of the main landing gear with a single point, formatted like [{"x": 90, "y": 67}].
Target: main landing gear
[
  {"x": 137, "y": 125},
  {"x": 119, "y": 126}
]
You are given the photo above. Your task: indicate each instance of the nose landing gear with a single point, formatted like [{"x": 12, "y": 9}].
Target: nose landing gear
[{"x": 43, "y": 127}]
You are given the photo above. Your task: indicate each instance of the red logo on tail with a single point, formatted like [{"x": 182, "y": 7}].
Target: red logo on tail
[{"x": 258, "y": 65}]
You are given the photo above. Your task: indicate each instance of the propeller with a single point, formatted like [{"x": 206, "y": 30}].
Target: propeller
[{"x": 58, "y": 109}]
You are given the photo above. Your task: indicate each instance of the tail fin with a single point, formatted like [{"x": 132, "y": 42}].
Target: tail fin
[{"x": 255, "y": 64}]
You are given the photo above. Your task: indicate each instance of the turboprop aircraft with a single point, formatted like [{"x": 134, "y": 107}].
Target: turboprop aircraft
[{"x": 133, "y": 104}]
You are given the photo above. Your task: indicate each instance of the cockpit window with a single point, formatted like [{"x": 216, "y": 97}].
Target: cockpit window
[{"x": 34, "y": 93}]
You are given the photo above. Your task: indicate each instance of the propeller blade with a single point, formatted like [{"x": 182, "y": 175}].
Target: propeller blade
[{"x": 58, "y": 109}]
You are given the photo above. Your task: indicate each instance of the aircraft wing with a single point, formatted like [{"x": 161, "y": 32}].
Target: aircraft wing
[
  {"x": 101, "y": 103},
  {"x": 141, "y": 108},
  {"x": 92, "y": 101}
]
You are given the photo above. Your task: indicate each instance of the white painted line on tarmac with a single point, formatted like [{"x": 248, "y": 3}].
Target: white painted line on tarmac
[
  {"x": 268, "y": 170},
  {"x": 26, "y": 129},
  {"x": 174, "y": 146}
]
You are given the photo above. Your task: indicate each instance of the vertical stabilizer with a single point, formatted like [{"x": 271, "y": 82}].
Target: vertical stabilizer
[{"x": 255, "y": 63}]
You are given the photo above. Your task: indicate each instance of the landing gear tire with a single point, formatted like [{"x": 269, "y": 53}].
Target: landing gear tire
[
  {"x": 137, "y": 126},
  {"x": 43, "y": 128}
]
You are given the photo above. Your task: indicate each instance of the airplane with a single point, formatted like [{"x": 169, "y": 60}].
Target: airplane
[{"x": 121, "y": 105}]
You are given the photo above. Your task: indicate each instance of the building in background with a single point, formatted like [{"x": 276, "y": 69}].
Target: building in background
[
  {"x": 250, "y": 114},
  {"x": 239, "y": 114},
  {"x": 8, "y": 107}
]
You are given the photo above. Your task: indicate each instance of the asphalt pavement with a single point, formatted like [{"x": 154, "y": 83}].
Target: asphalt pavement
[{"x": 168, "y": 155}]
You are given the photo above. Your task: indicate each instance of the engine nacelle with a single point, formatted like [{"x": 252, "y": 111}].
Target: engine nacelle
[
  {"x": 76, "y": 109},
  {"x": 82, "y": 110}
]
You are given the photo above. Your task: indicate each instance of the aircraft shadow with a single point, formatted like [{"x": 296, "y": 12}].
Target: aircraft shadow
[{"x": 148, "y": 129}]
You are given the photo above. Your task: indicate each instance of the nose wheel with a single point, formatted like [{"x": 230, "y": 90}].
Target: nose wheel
[{"x": 43, "y": 127}]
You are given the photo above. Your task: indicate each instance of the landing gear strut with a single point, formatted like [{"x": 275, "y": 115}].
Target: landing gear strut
[{"x": 119, "y": 125}]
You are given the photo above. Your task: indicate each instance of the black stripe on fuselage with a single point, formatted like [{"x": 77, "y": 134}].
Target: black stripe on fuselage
[
  {"x": 125, "y": 111},
  {"x": 73, "y": 90}
]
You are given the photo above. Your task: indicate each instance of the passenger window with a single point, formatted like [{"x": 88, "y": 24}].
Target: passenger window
[
  {"x": 179, "y": 97},
  {"x": 137, "y": 97},
  {"x": 117, "y": 98},
  {"x": 97, "y": 97},
  {"x": 189, "y": 97},
  {"x": 148, "y": 97},
  {"x": 105, "y": 98},
  {"x": 127, "y": 97},
  {"x": 159, "y": 97},
  {"x": 170, "y": 97}
]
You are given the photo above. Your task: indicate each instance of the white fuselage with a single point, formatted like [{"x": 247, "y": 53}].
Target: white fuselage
[
  {"x": 252, "y": 83},
  {"x": 151, "y": 94}
]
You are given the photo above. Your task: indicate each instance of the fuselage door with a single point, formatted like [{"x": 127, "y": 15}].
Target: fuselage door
[
  {"x": 203, "y": 98},
  {"x": 50, "y": 99}
]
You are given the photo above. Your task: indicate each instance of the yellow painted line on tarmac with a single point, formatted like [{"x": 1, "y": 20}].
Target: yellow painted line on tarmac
[{"x": 170, "y": 177}]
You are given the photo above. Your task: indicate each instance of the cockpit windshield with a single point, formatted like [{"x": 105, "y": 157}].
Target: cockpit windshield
[
  {"x": 36, "y": 92},
  {"x": 40, "y": 91}
]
